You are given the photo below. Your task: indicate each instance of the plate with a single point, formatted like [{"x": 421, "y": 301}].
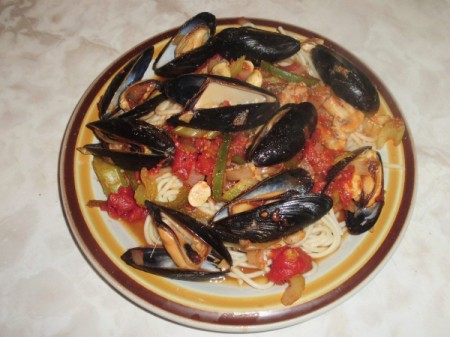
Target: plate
[{"x": 226, "y": 307}]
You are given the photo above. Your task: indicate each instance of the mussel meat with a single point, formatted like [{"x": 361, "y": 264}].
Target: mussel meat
[
  {"x": 285, "y": 135},
  {"x": 219, "y": 103},
  {"x": 255, "y": 44},
  {"x": 130, "y": 143},
  {"x": 345, "y": 79},
  {"x": 189, "y": 48},
  {"x": 366, "y": 187},
  {"x": 191, "y": 251}
]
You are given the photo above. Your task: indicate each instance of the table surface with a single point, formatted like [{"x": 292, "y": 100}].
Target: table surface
[{"x": 50, "y": 53}]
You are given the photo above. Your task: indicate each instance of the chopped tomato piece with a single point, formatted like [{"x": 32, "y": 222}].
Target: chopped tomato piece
[
  {"x": 183, "y": 162},
  {"x": 288, "y": 262},
  {"x": 121, "y": 205}
]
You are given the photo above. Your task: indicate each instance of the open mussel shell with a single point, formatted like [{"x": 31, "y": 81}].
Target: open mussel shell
[
  {"x": 130, "y": 143},
  {"x": 369, "y": 198},
  {"x": 133, "y": 72},
  {"x": 193, "y": 228},
  {"x": 255, "y": 44},
  {"x": 189, "y": 48},
  {"x": 275, "y": 220},
  {"x": 220, "y": 103},
  {"x": 285, "y": 135},
  {"x": 297, "y": 180},
  {"x": 145, "y": 108},
  {"x": 347, "y": 81},
  {"x": 157, "y": 261}
]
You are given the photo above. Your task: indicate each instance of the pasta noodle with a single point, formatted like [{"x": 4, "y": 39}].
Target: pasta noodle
[{"x": 168, "y": 187}]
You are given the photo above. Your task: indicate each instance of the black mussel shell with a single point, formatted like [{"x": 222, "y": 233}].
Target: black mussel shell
[
  {"x": 298, "y": 180},
  {"x": 255, "y": 44},
  {"x": 133, "y": 72},
  {"x": 168, "y": 65},
  {"x": 144, "y": 108},
  {"x": 275, "y": 220},
  {"x": 133, "y": 161},
  {"x": 137, "y": 144},
  {"x": 347, "y": 81},
  {"x": 157, "y": 261},
  {"x": 285, "y": 135},
  {"x": 247, "y": 106},
  {"x": 201, "y": 230},
  {"x": 364, "y": 217}
]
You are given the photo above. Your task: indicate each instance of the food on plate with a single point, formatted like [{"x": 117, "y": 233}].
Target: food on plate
[{"x": 248, "y": 154}]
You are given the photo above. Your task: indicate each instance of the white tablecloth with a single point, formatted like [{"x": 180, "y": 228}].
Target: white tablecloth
[{"x": 50, "y": 53}]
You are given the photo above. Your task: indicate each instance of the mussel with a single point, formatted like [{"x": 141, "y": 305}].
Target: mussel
[
  {"x": 283, "y": 215},
  {"x": 255, "y": 44},
  {"x": 130, "y": 143},
  {"x": 219, "y": 103},
  {"x": 345, "y": 79},
  {"x": 285, "y": 135},
  {"x": 109, "y": 104},
  {"x": 366, "y": 188},
  {"x": 189, "y": 48},
  {"x": 191, "y": 251},
  {"x": 276, "y": 207},
  {"x": 295, "y": 180}
]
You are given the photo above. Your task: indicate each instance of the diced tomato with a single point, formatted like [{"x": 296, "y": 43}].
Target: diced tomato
[
  {"x": 183, "y": 162},
  {"x": 205, "y": 163},
  {"x": 287, "y": 262},
  {"x": 121, "y": 205},
  {"x": 238, "y": 145},
  {"x": 207, "y": 149},
  {"x": 342, "y": 184},
  {"x": 320, "y": 158}
]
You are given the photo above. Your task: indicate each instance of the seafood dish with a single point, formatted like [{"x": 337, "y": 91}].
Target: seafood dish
[{"x": 241, "y": 155}]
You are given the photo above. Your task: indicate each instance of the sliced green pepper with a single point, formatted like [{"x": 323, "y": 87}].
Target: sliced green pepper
[
  {"x": 109, "y": 175},
  {"x": 238, "y": 188},
  {"x": 238, "y": 160},
  {"x": 310, "y": 81},
  {"x": 219, "y": 168},
  {"x": 195, "y": 133}
]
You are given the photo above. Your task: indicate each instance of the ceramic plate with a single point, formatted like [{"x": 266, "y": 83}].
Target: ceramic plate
[{"x": 222, "y": 306}]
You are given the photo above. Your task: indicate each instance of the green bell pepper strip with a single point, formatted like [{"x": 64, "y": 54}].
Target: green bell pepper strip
[
  {"x": 110, "y": 176},
  {"x": 310, "y": 81},
  {"x": 219, "y": 168},
  {"x": 240, "y": 187},
  {"x": 195, "y": 133}
]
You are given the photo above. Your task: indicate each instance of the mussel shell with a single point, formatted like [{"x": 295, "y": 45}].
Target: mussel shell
[
  {"x": 134, "y": 132},
  {"x": 275, "y": 220},
  {"x": 133, "y": 161},
  {"x": 298, "y": 180},
  {"x": 147, "y": 145},
  {"x": 285, "y": 135},
  {"x": 144, "y": 108},
  {"x": 133, "y": 72},
  {"x": 341, "y": 164},
  {"x": 347, "y": 81},
  {"x": 156, "y": 261},
  {"x": 255, "y": 44},
  {"x": 199, "y": 229},
  {"x": 364, "y": 217},
  {"x": 188, "y": 90},
  {"x": 191, "y": 60}
]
